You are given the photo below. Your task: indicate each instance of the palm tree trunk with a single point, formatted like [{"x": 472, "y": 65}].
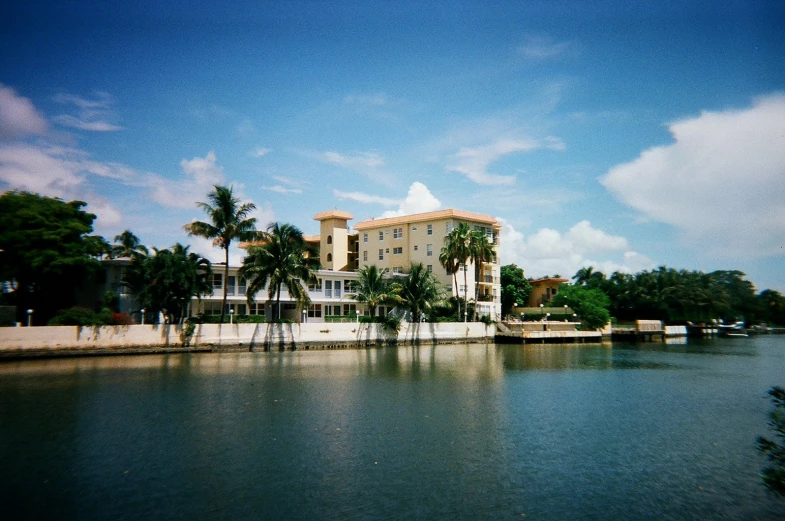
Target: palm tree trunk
[
  {"x": 465, "y": 294},
  {"x": 457, "y": 294},
  {"x": 226, "y": 280}
]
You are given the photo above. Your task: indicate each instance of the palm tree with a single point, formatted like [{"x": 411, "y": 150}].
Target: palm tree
[
  {"x": 279, "y": 258},
  {"x": 228, "y": 221},
  {"x": 420, "y": 291},
  {"x": 126, "y": 244},
  {"x": 374, "y": 289},
  {"x": 481, "y": 251},
  {"x": 457, "y": 243},
  {"x": 451, "y": 266}
]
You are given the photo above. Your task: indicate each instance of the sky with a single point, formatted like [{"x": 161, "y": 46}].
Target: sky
[{"x": 621, "y": 135}]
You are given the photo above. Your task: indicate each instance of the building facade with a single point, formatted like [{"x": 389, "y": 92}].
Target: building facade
[{"x": 392, "y": 243}]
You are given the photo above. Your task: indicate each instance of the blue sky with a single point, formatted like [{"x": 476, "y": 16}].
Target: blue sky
[{"x": 624, "y": 135}]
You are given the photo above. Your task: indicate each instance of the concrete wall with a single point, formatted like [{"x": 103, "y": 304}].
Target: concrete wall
[{"x": 18, "y": 340}]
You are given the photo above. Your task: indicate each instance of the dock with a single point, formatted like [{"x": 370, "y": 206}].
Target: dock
[
  {"x": 644, "y": 331},
  {"x": 543, "y": 332}
]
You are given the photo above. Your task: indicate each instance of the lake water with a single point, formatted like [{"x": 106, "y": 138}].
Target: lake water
[{"x": 653, "y": 431}]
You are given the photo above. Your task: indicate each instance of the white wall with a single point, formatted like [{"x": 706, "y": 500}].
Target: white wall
[{"x": 275, "y": 336}]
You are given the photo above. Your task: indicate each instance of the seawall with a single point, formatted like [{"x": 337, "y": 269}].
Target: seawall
[{"x": 24, "y": 342}]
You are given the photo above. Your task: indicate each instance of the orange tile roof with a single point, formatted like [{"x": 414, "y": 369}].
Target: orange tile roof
[
  {"x": 332, "y": 214},
  {"x": 428, "y": 216}
]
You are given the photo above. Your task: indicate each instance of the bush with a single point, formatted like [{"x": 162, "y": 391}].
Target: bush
[
  {"x": 76, "y": 316},
  {"x": 7, "y": 315}
]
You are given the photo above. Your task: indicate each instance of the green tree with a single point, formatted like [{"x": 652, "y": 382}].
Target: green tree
[
  {"x": 481, "y": 251},
  {"x": 591, "y": 305},
  {"x": 167, "y": 280},
  {"x": 458, "y": 246},
  {"x": 126, "y": 244},
  {"x": 515, "y": 288},
  {"x": 774, "y": 474},
  {"x": 420, "y": 292},
  {"x": 772, "y": 304},
  {"x": 374, "y": 289},
  {"x": 229, "y": 220},
  {"x": 451, "y": 266},
  {"x": 46, "y": 252},
  {"x": 280, "y": 258}
]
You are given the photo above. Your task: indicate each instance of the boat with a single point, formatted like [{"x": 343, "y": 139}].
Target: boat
[{"x": 733, "y": 330}]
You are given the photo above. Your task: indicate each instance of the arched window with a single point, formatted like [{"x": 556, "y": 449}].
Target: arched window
[
  {"x": 329, "y": 257},
  {"x": 329, "y": 239}
]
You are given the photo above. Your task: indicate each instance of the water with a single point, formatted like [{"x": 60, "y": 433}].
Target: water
[{"x": 453, "y": 432}]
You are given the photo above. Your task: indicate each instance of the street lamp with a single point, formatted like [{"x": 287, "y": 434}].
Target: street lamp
[
  {"x": 565, "y": 312},
  {"x": 29, "y": 317},
  {"x": 542, "y": 316},
  {"x": 305, "y": 314},
  {"x": 142, "y": 312},
  {"x": 231, "y": 314}
]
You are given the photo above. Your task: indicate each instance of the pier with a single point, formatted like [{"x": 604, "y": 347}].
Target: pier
[{"x": 544, "y": 332}]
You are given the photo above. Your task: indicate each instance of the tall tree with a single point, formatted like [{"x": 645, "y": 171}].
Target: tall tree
[
  {"x": 229, "y": 220},
  {"x": 591, "y": 305},
  {"x": 46, "y": 251},
  {"x": 458, "y": 244},
  {"x": 374, "y": 288},
  {"x": 481, "y": 251},
  {"x": 420, "y": 291},
  {"x": 451, "y": 266},
  {"x": 126, "y": 244},
  {"x": 279, "y": 258}
]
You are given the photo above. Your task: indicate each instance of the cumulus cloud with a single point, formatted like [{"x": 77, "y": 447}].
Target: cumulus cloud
[
  {"x": 550, "y": 252},
  {"x": 59, "y": 172},
  {"x": 418, "y": 200},
  {"x": 200, "y": 175},
  {"x": 365, "y": 198},
  {"x": 474, "y": 162},
  {"x": 540, "y": 48},
  {"x": 720, "y": 182},
  {"x": 92, "y": 114},
  {"x": 18, "y": 116}
]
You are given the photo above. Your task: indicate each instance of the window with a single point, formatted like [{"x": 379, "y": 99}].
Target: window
[
  {"x": 350, "y": 309},
  {"x": 329, "y": 257},
  {"x": 315, "y": 286},
  {"x": 414, "y": 228},
  {"x": 328, "y": 288},
  {"x": 329, "y": 239},
  {"x": 429, "y": 229},
  {"x": 397, "y": 269},
  {"x": 397, "y": 233},
  {"x": 230, "y": 282},
  {"x": 381, "y": 253},
  {"x": 365, "y": 255},
  {"x": 398, "y": 251},
  {"x": 381, "y": 235},
  {"x": 257, "y": 308},
  {"x": 449, "y": 226},
  {"x": 241, "y": 287},
  {"x": 416, "y": 247},
  {"x": 241, "y": 309},
  {"x": 365, "y": 237},
  {"x": 218, "y": 281},
  {"x": 429, "y": 250},
  {"x": 429, "y": 267},
  {"x": 315, "y": 310},
  {"x": 387, "y": 250},
  {"x": 338, "y": 289}
]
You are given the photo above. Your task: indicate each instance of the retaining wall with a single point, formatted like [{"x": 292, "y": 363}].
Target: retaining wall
[{"x": 19, "y": 341}]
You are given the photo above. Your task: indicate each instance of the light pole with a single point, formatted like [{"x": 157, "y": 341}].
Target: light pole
[
  {"x": 542, "y": 316},
  {"x": 565, "y": 312},
  {"x": 231, "y": 314},
  {"x": 29, "y": 317},
  {"x": 305, "y": 314},
  {"x": 142, "y": 312}
]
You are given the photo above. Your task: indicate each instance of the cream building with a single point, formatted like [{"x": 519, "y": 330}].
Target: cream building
[{"x": 392, "y": 243}]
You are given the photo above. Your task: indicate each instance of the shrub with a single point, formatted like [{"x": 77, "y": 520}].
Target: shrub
[
  {"x": 7, "y": 315},
  {"x": 75, "y": 316}
]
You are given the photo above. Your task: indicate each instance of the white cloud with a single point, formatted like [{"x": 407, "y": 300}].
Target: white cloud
[
  {"x": 282, "y": 189},
  {"x": 201, "y": 174},
  {"x": 18, "y": 116},
  {"x": 365, "y": 198},
  {"x": 260, "y": 152},
  {"x": 474, "y": 162},
  {"x": 59, "y": 172},
  {"x": 540, "y": 48},
  {"x": 720, "y": 182},
  {"x": 549, "y": 252},
  {"x": 418, "y": 200},
  {"x": 361, "y": 161},
  {"x": 91, "y": 114}
]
